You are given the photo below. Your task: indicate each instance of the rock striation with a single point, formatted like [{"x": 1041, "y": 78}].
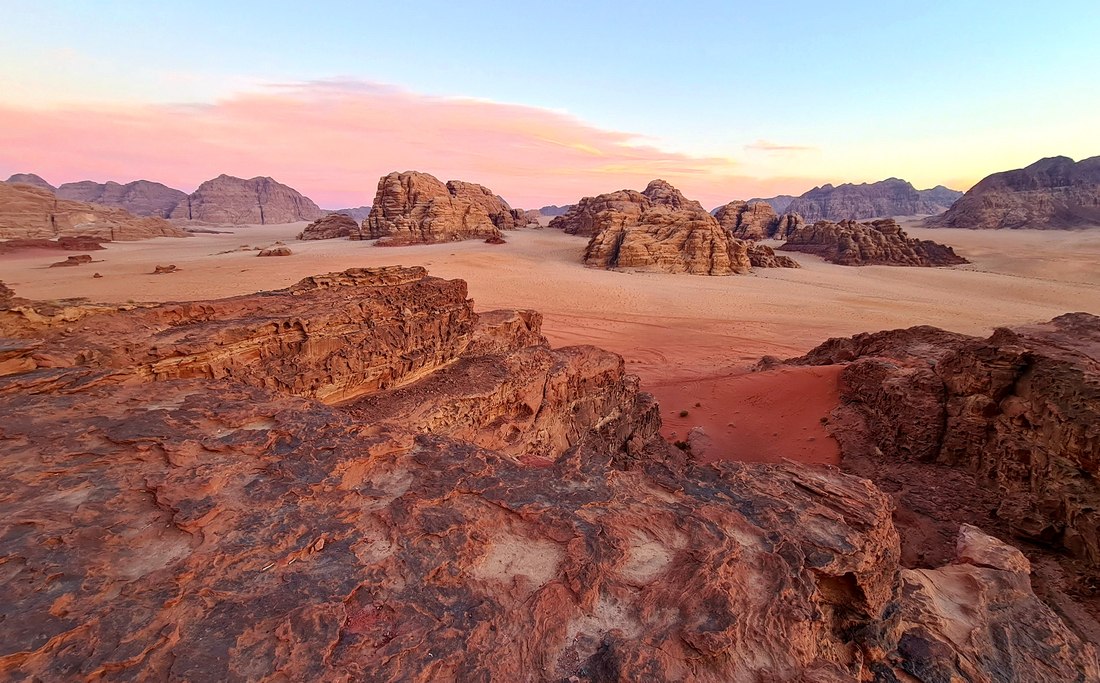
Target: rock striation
[
  {"x": 28, "y": 212},
  {"x": 140, "y": 197},
  {"x": 332, "y": 226},
  {"x": 1054, "y": 193},
  {"x": 237, "y": 201},
  {"x": 416, "y": 208},
  {"x": 362, "y": 466},
  {"x": 503, "y": 216},
  {"x": 881, "y": 242},
  {"x": 763, "y": 256},
  {"x": 756, "y": 221},
  {"x": 30, "y": 179},
  {"x": 883, "y": 199}
]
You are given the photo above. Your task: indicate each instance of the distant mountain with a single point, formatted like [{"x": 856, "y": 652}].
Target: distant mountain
[
  {"x": 890, "y": 197},
  {"x": 140, "y": 197},
  {"x": 227, "y": 199},
  {"x": 31, "y": 179},
  {"x": 1052, "y": 193},
  {"x": 553, "y": 210},
  {"x": 28, "y": 212},
  {"x": 359, "y": 213},
  {"x": 779, "y": 202}
]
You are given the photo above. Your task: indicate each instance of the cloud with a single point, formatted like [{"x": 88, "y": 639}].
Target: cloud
[
  {"x": 775, "y": 148},
  {"x": 332, "y": 140}
]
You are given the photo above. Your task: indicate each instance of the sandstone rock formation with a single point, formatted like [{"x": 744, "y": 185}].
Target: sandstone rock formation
[
  {"x": 140, "y": 197},
  {"x": 59, "y": 244},
  {"x": 31, "y": 179},
  {"x": 757, "y": 221},
  {"x": 1051, "y": 193},
  {"x": 1020, "y": 409},
  {"x": 881, "y": 242},
  {"x": 886, "y": 198},
  {"x": 503, "y": 216},
  {"x": 275, "y": 251},
  {"x": 164, "y": 270},
  {"x": 236, "y": 201},
  {"x": 413, "y": 207},
  {"x": 332, "y": 226},
  {"x": 763, "y": 256},
  {"x": 75, "y": 260},
  {"x": 466, "y": 504},
  {"x": 28, "y": 212}
]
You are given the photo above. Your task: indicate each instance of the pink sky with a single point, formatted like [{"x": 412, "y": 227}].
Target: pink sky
[{"x": 332, "y": 141}]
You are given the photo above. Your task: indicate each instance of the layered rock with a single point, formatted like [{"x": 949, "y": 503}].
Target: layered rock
[
  {"x": 28, "y": 212},
  {"x": 59, "y": 244},
  {"x": 1049, "y": 194},
  {"x": 891, "y": 197},
  {"x": 763, "y": 256},
  {"x": 237, "y": 201},
  {"x": 332, "y": 226},
  {"x": 503, "y": 216},
  {"x": 1020, "y": 409},
  {"x": 756, "y": 221},
  {"x": 881, "y": 242},
  {"x": 487, "y": 509},
  {"x": 413, "y": 208},
  {"x": 140, "y": 197},
  {"x": 779, "y": 202},
  {"x": 31, "y": 179}
]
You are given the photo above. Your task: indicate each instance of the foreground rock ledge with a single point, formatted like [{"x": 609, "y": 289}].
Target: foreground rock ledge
[{"x": 467, "y": 504}]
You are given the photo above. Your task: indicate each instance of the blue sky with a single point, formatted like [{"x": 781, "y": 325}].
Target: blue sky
[{"x": 942, "y": 92}]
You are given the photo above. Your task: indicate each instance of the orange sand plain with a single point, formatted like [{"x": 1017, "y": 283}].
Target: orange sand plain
[{"x": 690, "y": 338}]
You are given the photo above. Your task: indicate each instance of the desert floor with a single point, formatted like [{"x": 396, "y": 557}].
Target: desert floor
[{"x": 691, "y": 339}]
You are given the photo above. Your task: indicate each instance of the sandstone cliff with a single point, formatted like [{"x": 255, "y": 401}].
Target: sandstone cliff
[
  {"x": 482, "y": 508},
  {"x": 413, "y": 207},
  {"x": 332, "y": 226},
  {"x": 503, "y": 216},
  {"x": 237, "y": 201},
  {"x": 891, "y": 197},
  {"x": 756, "y": 221},
  {"x": 141, "y": 197},
  {"x": 881, "y": 242},
  {"x": 1051, "y": 193},
  {"x": 28, "y": 212}
]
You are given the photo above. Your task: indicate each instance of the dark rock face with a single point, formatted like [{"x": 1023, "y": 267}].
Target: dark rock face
[
  {"x": 555, "y": 210},
  {"x": 484, "y": 508},
  {"x": 141, "y": 197},
  {"x": 881, "y": 242},
  {"x": 237, "y": 201},
  {"x": 31, "y": 179},
  {"x": 332, "y": 226},
  {"x": 1049, "y": 194},
  {"x": 891, "y": 197}
]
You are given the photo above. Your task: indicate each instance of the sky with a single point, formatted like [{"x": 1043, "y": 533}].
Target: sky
[{"x": 550, "y": 101}]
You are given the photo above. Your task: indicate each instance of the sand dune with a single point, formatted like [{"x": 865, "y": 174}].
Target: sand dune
[{"x": 686, "y": 336}]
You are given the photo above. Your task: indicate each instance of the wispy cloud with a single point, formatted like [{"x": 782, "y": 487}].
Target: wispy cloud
[
  {"x": 776, "y": 148},
  {"x": 333, "y": 139}
]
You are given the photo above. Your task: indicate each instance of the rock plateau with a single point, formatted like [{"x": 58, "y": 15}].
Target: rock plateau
[
  {"x": 1049, "y": 194},
  {"x": 881, "y": 242},
  {"x": 886, "y": 198},
  {"x": 359, "y": 477}
]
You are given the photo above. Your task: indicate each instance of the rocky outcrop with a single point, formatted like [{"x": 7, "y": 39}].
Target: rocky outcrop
[
  {"x": 59, "y": 244},
  {"x": 28, "y": 212},
  {"x": 486, "y": 508},
  {"x": 140, "y": 197},
  {"x": 237, "y": 201},
  {"x": 76, "y": 260},
  {"x": 31, "y": 179},
  {"x": 332, "y": 226},
  {"x": 1020, "y": 409},
  {"x": 763, "y": 256},
  {"x": 881, "y": 242},
  {"x": 886, "y": 198},
  {"x": 757, "y": 221},
  {"x": 275, "y": 251},
  {"x": 658, "y": 229},
  {"x": 416, "y": 208},
  {"x": 503, "y": 216},
  {"x": 1054, "y": 193}
]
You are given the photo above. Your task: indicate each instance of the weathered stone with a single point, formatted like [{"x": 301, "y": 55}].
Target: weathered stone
[
  {"x": 140, "y": 197},
  {"x": 28, "y": 212},
  {"x": 881, "y": 242},
  {"x": 884, "y": 199},
  {"x": 237, "y": 201},
  {"x": 331, "y": 226},
  {"x": 416, "y": 208}
]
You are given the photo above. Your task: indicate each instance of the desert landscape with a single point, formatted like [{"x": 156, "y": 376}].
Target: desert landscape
[{"x": 650, "y": 431}]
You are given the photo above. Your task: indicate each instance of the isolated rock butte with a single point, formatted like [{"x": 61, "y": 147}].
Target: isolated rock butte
[
  {"x": 28, "y": 212},
  {"x": 31, "y": 179},
  {"x": 503, "y": 216},
  {"x": 757, "y": 221},
  {"x": 485, "y": 508},
  {"x": 414, "y": 207},
  {"x": 881, "y": 242},
  {"x": 885, "y": 198},
  {"x": 332, "y": 226},
  {"x": 1021, "y": 409},
  {"x": 237, "y": 201},
  {"x": 141, "y": 197},
  {"x": 1049, "y": 194}
]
